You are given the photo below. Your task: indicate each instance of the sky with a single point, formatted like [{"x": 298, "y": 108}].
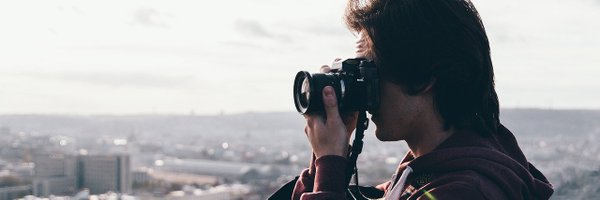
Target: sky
[{"x": 212, "y": 57}]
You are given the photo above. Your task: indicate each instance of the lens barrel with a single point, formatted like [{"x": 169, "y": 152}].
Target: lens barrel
[
  {"x": 302, "y": 91},
  {"x": 308, "y": 90}
]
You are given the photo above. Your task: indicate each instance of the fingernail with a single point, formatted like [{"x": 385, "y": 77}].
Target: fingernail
[{"x": 328, "y": 91}]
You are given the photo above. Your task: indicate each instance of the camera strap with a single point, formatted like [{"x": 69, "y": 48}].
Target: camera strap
[{"x": 357, "y": 146}]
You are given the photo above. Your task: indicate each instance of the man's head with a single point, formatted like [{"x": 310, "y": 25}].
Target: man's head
[{"x": 434, "y": 49}]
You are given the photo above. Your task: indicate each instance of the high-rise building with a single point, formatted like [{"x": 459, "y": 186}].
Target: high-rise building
[
  {"x": 59, "y": 174},
  {"x": 54, "y": 165},
  {"x": 102, "y": 173},
  {"x": 8, "y": 193},
  {"x": 61, "y": 185},
  {"x": 54, "y": 174}
]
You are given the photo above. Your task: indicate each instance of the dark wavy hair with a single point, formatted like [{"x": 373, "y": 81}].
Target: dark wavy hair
[{"x": 441, "y": 42}]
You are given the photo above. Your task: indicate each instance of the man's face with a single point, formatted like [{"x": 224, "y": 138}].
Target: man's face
[{"x": 399, "y": 113}]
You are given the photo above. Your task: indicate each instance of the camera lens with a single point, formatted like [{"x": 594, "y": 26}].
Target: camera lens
[
  {"x": 302, "y": 91},
  {"x": 305, "y": 93}
]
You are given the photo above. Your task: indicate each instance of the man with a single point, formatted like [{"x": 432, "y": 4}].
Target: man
[{"x": 438, "y": 95}]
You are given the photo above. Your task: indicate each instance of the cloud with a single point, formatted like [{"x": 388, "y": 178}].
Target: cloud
[
  {"x": 121, "y": 79},
  {"x": 252, "y": 28},
  {"x": 328, "y": 29},
  {"x": 255, "y": 29},
  {"x": 243, "y": 44},
  {"x": 149, "y": 17}
]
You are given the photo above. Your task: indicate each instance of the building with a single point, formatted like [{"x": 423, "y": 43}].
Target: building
[
  {"x": 228, "y": 171},
  {"x": 62, "y": 185},
  {"x": 141, "y": 176},
  {"x": 8, "y": 193},
  {"x": 59, "y": 174},
  {"x": 103, "y": 173},
  {"x": 54, "y": 165},
  {"x": 54, "y": 174}
]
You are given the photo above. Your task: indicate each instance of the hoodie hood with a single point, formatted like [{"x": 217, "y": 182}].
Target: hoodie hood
[{"x": 496, "y": 157}]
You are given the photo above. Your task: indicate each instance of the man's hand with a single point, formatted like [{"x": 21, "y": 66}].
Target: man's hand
[{"x": 330, "y": 135}]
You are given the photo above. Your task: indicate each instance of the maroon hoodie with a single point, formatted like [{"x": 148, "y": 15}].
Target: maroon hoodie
[{"x": 465, "y": 166}]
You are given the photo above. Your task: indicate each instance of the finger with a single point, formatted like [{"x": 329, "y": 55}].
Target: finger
[
  {"x": 337, "y": 59},
  {"x": 330, "y": 104},
  {"x": 306, "y": 130},
  {"x": 314, "y": 122},
  {"x": 319, "y": 119},
  {"x": 310, "y": 120},
  {"x": 348, "y": 117},
  {"x": 325, "y": 69},
  {"x": 350, "y": 120}
]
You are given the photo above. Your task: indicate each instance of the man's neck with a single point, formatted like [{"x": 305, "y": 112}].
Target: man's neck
[
  {"x": 427, "y": 127},
  {"x": 428, "y": 137}
]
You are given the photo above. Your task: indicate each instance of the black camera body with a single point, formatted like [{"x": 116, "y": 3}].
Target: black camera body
[{"x": 355, "y": 82}]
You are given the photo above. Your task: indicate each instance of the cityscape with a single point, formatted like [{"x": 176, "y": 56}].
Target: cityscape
[
  {"x": 158, "y": 100},
  {"x": 242, "y": 156}
]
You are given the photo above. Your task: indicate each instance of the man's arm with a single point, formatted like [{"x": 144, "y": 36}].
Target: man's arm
[
  {"x": 305, "y": 181},
  {"x": 327, "y": 175}
]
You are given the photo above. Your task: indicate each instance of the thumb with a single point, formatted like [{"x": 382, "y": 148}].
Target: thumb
[{"x": 330, "y": 103}]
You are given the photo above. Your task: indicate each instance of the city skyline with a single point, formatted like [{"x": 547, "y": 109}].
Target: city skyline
[
  {"x": 198, "y": 157},
  {"x": 162, "y": 57}
]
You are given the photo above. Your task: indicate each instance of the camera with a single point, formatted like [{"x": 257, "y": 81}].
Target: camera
[{"x": 355, "y": 82}]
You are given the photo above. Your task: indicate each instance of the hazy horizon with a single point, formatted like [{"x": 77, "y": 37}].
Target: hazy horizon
[{"x": 165, "y": 57}]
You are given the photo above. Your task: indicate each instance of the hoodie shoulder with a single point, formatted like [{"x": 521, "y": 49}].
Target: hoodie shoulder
[
  {"x": 467, "y": 184},
  {"x": 493, "y": 166},
  {"x": 457, "y": 190}
]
